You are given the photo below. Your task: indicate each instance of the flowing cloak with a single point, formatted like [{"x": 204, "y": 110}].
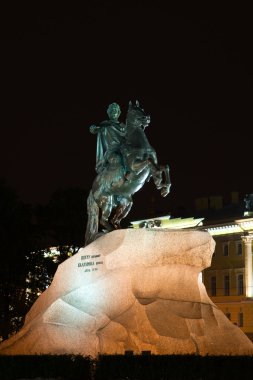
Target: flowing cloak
[{"x": 110, "y": 137}]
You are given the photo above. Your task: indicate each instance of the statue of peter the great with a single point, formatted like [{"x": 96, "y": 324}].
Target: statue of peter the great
[{"x": 125, "y": 160}]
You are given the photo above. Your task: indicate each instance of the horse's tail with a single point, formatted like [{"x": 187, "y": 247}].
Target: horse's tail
[{"x": 92, "y": 223}]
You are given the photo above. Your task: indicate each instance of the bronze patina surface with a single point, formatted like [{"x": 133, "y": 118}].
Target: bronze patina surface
[{"x": 125, "y": 161}]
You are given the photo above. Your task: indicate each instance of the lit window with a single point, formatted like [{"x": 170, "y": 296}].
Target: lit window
[
  {"x": 213, "y": 286},
  {"x": 240, "y": 284},
  {"x": 240, "y": 319},
  {"x": 225, "y": 249},
  {"x": 226, "y": 286}
]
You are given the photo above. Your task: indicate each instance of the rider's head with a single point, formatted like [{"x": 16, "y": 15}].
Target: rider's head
[{"x": 113, "y": 111}]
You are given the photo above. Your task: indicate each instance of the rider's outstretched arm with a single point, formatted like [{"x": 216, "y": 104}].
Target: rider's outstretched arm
[{"x": 94, "y": 128}]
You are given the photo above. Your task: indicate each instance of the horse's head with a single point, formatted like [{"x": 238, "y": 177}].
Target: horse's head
[{"x": 136, "y": 116}]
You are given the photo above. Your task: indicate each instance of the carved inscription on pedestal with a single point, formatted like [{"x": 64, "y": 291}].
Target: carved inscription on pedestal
[{"x": 90, "y": 263}]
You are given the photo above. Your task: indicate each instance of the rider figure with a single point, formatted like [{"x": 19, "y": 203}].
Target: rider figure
[{"x": 110, "y": 137}]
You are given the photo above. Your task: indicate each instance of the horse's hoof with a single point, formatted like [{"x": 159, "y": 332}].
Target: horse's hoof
[{"x": 108, "y": 226}]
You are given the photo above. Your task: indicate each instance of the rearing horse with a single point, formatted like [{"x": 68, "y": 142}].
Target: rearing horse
[{"x": 126, "y": 172}]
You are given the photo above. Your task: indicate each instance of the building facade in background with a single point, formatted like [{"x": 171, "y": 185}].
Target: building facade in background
[{"x": 229, "y": 279}]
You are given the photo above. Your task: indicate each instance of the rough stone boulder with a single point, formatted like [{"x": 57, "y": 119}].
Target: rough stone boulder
[{"x": 132, "y": 289}]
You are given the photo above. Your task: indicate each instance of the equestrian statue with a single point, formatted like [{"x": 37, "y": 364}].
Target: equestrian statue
[{"x": 124, "y": 162}]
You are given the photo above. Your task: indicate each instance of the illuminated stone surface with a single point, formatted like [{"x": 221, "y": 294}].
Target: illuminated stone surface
[{"x": 133, "y": 289}]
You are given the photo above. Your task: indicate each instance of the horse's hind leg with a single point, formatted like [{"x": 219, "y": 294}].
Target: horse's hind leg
[
  {"x": 126, "y": 211},
  {"x": 117, "y": 216},
  {"x": 121, "y": 212},
  {"x": 106, "y": 209}
]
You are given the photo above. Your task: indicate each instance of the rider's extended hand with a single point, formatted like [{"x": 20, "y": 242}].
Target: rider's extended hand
[{"x": 94, "y": 128}]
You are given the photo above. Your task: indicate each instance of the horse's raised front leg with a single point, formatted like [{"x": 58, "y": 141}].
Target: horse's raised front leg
[{"x": 161, "y": 176}]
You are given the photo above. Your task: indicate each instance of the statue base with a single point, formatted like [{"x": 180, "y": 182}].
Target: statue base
[{"x": 131, "y": 290}]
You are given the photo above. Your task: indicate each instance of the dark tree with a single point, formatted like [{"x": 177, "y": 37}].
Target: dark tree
[
  {"x": 62, "y": 222},
  {"x": 15, "y": 245},
  {"x": 27, "y": 235}
]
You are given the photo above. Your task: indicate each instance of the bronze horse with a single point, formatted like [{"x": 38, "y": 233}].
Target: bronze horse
[{"x": 110, "y": 198}]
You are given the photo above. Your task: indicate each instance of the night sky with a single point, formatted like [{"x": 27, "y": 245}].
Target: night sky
[{"x": 189, "y": 66}]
